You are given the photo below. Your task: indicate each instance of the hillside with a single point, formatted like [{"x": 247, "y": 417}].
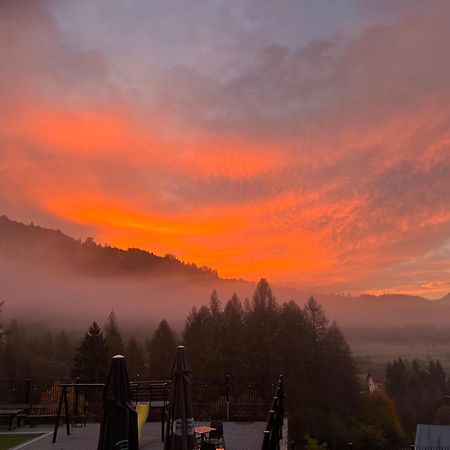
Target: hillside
[
  {"x": 53, "y": 248},
  {"x": 47, "y": 275}
]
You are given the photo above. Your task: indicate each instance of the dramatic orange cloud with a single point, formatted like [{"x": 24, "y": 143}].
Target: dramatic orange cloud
[{"x": 318, "y": 159}]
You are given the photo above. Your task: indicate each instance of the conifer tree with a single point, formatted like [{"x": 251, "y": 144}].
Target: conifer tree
[
  {"x": 262, "y": 330},
  {"x": 13, "y": 351},
  {"x": 113, "y": 338},
  {"x": 135, "y": 358},
  {"x": 214, "y": 339},
  {"x": 91, "y": 357},
  {"x": 232, "y": 349},
  {"x": 161, "y": 351},
  {"x": 196, "y": 333}
]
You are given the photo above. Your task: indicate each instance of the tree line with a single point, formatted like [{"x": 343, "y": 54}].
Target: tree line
[
  {"x": 326, "y": 400},
  {"x": 420, "y": 391},
  {"x": 36, "y": 353}
]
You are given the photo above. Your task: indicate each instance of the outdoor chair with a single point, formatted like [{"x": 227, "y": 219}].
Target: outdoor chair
[
  {"x": 207, "y": 446},
  {"x": 216, "y": 436}
]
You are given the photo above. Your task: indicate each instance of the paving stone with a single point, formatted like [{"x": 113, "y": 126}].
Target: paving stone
[{"x": 238, "y": 436}]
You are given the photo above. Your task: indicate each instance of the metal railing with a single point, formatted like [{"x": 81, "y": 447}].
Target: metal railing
[
  {"x": 30, "y": 391},
  {"x": 274, "y": 428},
  {"x": 236, "y": 398}
]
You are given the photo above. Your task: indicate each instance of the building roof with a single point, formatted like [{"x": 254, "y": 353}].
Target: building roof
[{"x": 432, "y": 435}]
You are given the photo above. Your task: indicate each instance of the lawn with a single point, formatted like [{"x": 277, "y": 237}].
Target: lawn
[{"x": 8, "y": 441}]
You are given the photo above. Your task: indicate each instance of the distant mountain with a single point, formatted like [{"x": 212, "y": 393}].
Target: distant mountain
[
  {"x": 47, "y": 275},
  {"x": 446, "y": 298},
  {"x": 393, "y": 298},
  {"x": 46, "y": 247}
]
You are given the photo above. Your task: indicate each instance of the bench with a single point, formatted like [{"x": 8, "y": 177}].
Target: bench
[
  {"x": 41, "y": 412},
  {"x": 13, "y": 413}
]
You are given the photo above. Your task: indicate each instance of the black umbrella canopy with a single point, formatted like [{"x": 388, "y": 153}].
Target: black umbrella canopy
[
  {"x": 180, "y": 430},
  {"x": 118, "y": 429}
]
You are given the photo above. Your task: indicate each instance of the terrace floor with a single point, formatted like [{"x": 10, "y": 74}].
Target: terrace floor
[{"x": 238, "y": 436}]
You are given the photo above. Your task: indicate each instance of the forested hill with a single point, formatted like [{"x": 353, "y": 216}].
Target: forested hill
[
  {"x": 52, "y": 248},
  {"x": 44, "y": 272}
]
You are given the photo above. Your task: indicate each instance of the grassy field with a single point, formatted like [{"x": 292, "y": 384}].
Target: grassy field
[
  {"x": 373, "y": 356},
  {"x": 8, "y": 441}
]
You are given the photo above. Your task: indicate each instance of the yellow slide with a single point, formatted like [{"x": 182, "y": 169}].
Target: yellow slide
[{"x": 142, "y": 409}]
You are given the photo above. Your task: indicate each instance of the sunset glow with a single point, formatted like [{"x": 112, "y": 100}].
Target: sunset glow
[{"x": 308, "y": 144}]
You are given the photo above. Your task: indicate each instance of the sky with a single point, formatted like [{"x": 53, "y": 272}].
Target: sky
[{"x": 307, "y": 142}]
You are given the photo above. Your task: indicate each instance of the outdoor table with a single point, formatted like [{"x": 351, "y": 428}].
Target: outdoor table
[
  {"x": 11, "y": 414},
  {"x": 202, "y": 431}
]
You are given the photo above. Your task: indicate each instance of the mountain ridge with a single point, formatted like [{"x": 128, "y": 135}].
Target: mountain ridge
[
  {"x": 90, "y": 258},
  {"x": 45, "y": 273},
  {"x": 95, "y": 259}
]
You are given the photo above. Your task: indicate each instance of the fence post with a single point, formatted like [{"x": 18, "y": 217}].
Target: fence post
[
  {"x": 75, "y": 400},
  {"x": 281, "y": 403},
  {"x": 266, "y": 440},
  {"x": 227, "y": 395},
  {"x": 271, "y": 427},
  {"x": 27, "y": 390}
]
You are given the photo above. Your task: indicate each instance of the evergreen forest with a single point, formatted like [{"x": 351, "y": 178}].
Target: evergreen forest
[{"x": 327, "y": 400}]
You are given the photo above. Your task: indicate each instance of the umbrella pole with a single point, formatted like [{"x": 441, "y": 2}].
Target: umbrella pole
[{"x": 168, "y": 439}]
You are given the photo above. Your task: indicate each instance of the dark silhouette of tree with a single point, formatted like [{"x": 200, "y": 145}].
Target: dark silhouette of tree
[
  {"x": 113, "y": 338},
  {"x": 379, "y": 425},
  {"x": 13, "y": 355},
  {"x": 135, "y": 358},
  {"x": 161, "y": 351},
  {"x": 262, "y": 330},
  {"x": 195, "y": 335},
  {"x": 91, "y": 357},
  {"x": 293, "y": 338},
  {"x": 214, "y": 342},
  {"x": 443, "y": 415},
  {"x": 320, "y": 371},
  {"x": 233, "y": 335},
  {"x": 316, "y": 320},
  {"x": 417, "y": 389}
]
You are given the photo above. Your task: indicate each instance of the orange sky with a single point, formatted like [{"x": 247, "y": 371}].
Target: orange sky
[{"x": 316, "y": 156}]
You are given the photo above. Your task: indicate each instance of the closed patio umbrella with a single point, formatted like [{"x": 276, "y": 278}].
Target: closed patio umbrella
[
  {"x": 118, "y": 430},
  {"x": 180, "y": 428}
]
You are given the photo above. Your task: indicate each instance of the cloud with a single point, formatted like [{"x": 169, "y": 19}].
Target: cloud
[{"x": 316, "y": 155}]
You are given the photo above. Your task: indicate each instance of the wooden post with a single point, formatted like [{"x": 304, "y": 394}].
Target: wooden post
[
  {"x": 58, "y": 416},
  {"x": 66, "y": 410}
]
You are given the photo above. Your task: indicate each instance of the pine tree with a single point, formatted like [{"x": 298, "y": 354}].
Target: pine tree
[
  {"x": 14, "y": 351},
  {"x": 161, "y": 351},
  {"x": 316, "y": 320},
  {"x": 262, "y": 326},
  {"x": 293, "y": 341},
  {"x": 214, "y": 341},
  {"x": 234, "y": 360},
  {"x": 135, "y": 358},
  {"x": 113, "y": 338},
  {"x": 91, "y": 357},
  {"x": 196, "y": 336}
]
